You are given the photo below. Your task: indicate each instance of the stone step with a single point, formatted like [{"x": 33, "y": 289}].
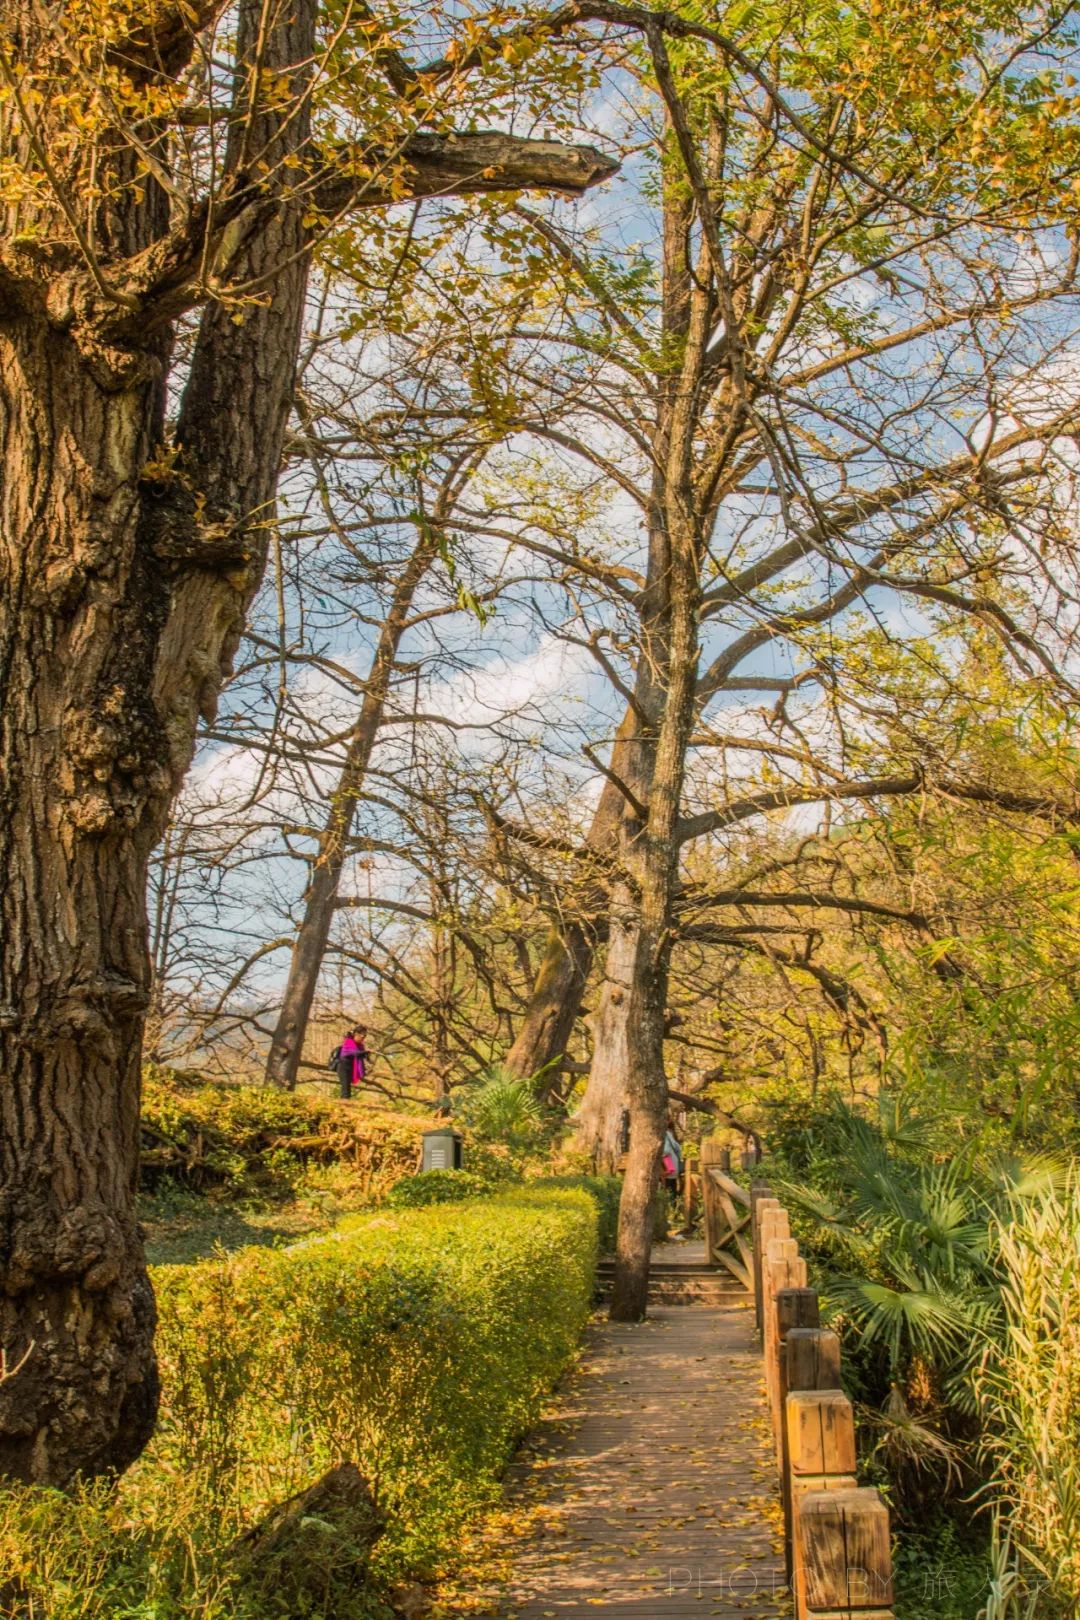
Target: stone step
[
  {"x": 679, "y": 1282},
  {"x": 670, "y": 1273},
  {"x": 710, "y": 1291},
  {"x": 691, "y": 1263}
]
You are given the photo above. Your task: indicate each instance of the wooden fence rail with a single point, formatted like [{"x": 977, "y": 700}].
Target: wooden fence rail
[
  {"x": 836, "y": 1533},
  {"x": 728, "y": 1212}
]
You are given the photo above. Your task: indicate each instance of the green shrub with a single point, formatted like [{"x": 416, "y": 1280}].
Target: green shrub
[
  {"x": 940, "y": 1574},
  {"x": 605, "y": 1190},
  {"x": 502, "y": 1107},
  {"x": 437, "y": 1187},
  {"x": 418, "y": 1343}
]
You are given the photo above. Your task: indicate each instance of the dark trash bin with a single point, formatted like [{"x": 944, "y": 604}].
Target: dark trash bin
[{"x": 441, "y": 1150}]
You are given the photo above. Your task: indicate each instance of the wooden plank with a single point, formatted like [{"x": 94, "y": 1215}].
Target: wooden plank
[
  {"x": 735, "y": 1221},
  {"x": 742, "y": 1268},
  {"x": 738, "y": 1270},
  {"x": 643, "y": 1496},
  {"x": 732, "y": 1188}
]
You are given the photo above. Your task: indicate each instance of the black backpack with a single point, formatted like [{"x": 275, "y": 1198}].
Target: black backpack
[{"x": 334, "y": 1059}]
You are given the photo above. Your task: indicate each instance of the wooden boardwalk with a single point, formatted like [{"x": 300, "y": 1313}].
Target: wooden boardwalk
[{"x": 651, "y": 1489}]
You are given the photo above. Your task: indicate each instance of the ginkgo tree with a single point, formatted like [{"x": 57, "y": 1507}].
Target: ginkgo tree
[{"x": 167, "y": 172}]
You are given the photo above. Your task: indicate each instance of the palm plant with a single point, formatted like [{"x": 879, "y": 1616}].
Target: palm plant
[
  {"x": 908, "y": 1242},
  {"x": 911, "y": 1275},
  {"x": 501, "y": 1107}
]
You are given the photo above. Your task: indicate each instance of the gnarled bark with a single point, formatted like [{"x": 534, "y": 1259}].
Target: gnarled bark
[
  {"x": 547, "y": 1023},
  {"x": 112, "y": 646},
  {"x": 122, "y": 600},
  {"x": 633, "y": 1243},
  {"x": 82, "y": 782}
]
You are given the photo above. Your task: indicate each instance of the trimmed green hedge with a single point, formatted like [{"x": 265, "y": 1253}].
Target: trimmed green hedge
[
  {"x": 458, "y": 1186},
  {"x": 605, "y": 1190},
  {"x": 419, "y": 1344}
]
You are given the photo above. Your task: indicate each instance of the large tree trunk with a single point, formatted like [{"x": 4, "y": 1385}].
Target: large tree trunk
[
  {"x": 633, "y": 1245},
  {"x": 647, "y": 763},
  {"x": 121, "y": 608},
  {"x": 628, "y": 1071},
  {"x": 632, "y": 1015},
  {"x": 321, "y": 899},
  {"x": 547, "y": 1023},
  {"x": 549, "y": 1017},
  {"x": 628, "y": 1055},
  {"x": 631, "y": 1020},
  {"x": 82, "y": 787},
  {"x": 599, "y": 1119}
]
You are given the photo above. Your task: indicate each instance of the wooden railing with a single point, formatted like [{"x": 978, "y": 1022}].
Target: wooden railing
[
  {"x": 727, "y": 1215},
  {"x": 836, "y": 1533}
]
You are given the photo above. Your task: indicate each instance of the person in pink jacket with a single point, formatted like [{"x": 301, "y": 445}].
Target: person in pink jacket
[{"x": 351, "y": 1060}]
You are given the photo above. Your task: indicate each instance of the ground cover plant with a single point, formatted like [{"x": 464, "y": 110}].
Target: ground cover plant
[
  {"x": 206, "y": 1135},
  {"x": 418, "y": 1343}
]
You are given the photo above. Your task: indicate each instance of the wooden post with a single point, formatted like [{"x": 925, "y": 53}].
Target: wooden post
[
  {"x": 813, "y": 1359},
  {"x": 798, "y": 1310},
  {"x": 711, "y": 1151},
  {"x": 761, "y": 1198},
  {"x": 772, "y": 1223},
  {"x": 845, "y": 1556},
  {"x": 689, "y": 1170},
  {"x": 783, "y": 1269},
  {"x": 821, "y": 1457},
  {"x": 821, "y": 1434},
  {"x": 773, "y": 1228},
  {"x": 812, "y": 1362}
]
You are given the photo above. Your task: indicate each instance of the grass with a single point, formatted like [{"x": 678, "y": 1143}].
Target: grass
[{"x": 183, "y": 1226}]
